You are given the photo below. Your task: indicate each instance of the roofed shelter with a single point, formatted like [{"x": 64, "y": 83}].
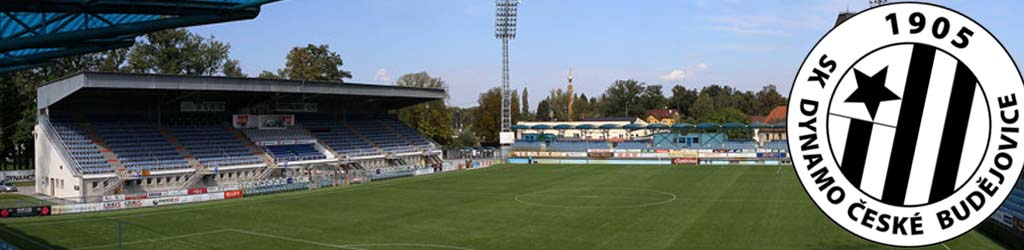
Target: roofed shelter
[{"x": 35, "y": 32}]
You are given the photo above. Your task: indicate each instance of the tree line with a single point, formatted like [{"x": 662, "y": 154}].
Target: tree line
[
  {"x": 180, "y": 52},
  {"x": 173, "y": 52},
  {"x": 623, "y": 98}
]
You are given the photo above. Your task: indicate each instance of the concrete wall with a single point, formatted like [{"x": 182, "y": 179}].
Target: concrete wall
[{"x": 53, "y": 176}]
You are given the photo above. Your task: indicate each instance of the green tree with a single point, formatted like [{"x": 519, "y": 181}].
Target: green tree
[
  {"x": 268, "y": 75},
  {"x": 727, "y": 115},
  {"x": 702, "y": 108},
  {"x": 581, "y": 108},
  {"x": 178, "y": 52},
  {"x": 652, "y": 97},
  {"x": 624, "y": 98},
  {"x": 314, "y": 62},
  {"x": 558, "y": 105},
  {"x": 543, "y": 111},
  {"x": 232, "y": 69},
  {"x": 682, "y": 99},
  {"x": 514, "y": 106},
  {"x": 526, "y": 106},
  {"x": 769, "y": 98},
  {"x": 431, "y": 119},
  {"x": 488, "y": 117}
]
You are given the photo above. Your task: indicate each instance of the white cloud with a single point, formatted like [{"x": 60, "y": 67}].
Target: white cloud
[
  {"x": 674, "y": 75},
  {"x": 677, "y": 75},
  {"x": 382, "y": 76}
]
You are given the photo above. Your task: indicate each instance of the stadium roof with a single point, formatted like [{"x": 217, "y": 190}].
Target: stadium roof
[
  {"x": 53, "y": 92},
  {"x": 33, "y": 32}
]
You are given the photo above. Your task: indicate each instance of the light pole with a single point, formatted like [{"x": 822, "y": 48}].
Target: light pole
[{"x": 505, "y": 29}]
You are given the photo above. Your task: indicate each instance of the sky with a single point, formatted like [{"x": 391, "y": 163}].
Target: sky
[{"x": 744, "y": 44}]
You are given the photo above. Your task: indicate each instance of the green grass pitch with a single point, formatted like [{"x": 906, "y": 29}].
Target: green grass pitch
[{"x": 502, "y": 207}]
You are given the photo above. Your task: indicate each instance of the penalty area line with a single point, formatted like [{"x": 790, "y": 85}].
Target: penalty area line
[{"x": 156, "y": 239}]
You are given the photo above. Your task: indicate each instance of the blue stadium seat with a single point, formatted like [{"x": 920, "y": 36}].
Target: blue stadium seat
[
  {"x": 298, "y": 152},
  {"x": 212, "y": 144},
  {"x": 139, "y": 145},
  {"x": 80, "y": 147}
]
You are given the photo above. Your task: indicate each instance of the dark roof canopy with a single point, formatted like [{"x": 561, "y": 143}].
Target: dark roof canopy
[
  {"x": 91, "y": 84},
  {"x": 33, "y": 32}
]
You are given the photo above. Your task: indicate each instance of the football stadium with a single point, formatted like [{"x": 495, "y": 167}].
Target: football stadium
[{"x": 155, "y": 160}]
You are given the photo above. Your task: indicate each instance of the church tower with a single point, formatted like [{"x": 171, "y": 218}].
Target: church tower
[{"x": 571, "y": 97}]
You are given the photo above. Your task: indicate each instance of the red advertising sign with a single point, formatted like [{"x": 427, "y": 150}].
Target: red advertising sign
[
  {"x": 685, "y": 160},
  {"x": 232, "y": 194},
  {"x": 196, "y": 190},
  {"x": 136, "y": 197}
]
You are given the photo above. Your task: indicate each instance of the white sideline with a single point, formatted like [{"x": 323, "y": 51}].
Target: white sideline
[
  {"x": 214, "y": 204},
  {"x": 156, "y": 239},
  {"x": 294, "y": 239},
  {"x": 322, "y": 244}
]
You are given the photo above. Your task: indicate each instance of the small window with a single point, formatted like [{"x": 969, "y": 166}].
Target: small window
[{"x": 77, "y": 188}]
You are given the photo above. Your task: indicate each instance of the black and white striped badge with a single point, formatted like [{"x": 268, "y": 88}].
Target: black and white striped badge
[{"x": 903, "y": 124}]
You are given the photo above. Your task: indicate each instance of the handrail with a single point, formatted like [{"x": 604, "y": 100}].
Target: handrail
[{"x": 63, "y": 147}]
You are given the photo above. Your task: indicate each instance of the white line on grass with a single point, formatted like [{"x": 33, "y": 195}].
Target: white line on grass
[
  {"x": 348, "y": 246},
  {"x": 156, "y": 239},
  {"x": 224, "y": 204},
  {"x": 947, "y": 247},
  {"x": 294, "y": 239}
]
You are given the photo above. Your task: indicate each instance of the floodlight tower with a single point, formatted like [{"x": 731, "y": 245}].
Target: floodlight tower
[
  {"x": 505, "y": 29},
  {"x": 874, "y": 3}
]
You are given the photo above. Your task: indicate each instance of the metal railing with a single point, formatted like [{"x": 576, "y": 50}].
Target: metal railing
[{"x": 62, "y": 147}]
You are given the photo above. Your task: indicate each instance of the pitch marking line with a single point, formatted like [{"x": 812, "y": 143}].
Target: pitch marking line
[
  {"x": 141, "y": 212},
  {"x": 947, "y": 247},
  {"x": 517, "y": 198},
  {"x": 156, "y": 239},
  {"x": 240, "y": 231},
  {"x": 293, "y": 239}
]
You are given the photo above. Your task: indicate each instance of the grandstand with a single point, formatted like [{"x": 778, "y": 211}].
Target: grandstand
[
  {"x": 186, "y": 132},
  {"x": 655, "y": 143}
]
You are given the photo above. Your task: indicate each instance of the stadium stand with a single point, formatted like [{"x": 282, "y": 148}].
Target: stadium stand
[
  {"x": 80, "y": 147},
  {"x": 139, "y": 145},
  {"x": 632, "y": 145},
  {"x": 340, "y": 138},
  {"x": 577, "y": 146},
  {"x": 736, "y": 145},
  {"x": 367, "y": 136},
  {"x": 527, "y": 145},
  {"x": 777, "y": 145},
  {"x": 297, "y": 152},
  {"x": 379, "y": 136},
  {"x": 118, "y": 133},
  {"x": 289, "y": 134},
  {"x": 408, "y": 133},
  {"x": 212, "y": 144}
]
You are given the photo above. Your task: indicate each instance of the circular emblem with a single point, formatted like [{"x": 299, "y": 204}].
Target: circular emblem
[{"x": 904, "y": 123}]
